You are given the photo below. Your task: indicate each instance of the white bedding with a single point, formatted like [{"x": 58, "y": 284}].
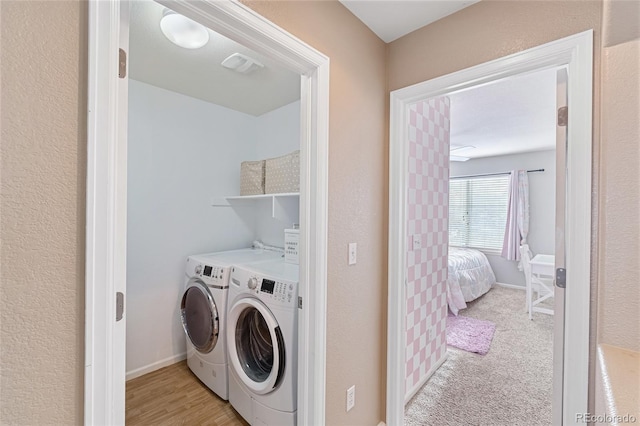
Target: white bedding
[{"x": 470, "y": 276}]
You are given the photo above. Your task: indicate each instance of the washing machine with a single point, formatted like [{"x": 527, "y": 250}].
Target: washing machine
[
  {"x": 203, "y": 312},
  {"x": 262, "y": 336}
]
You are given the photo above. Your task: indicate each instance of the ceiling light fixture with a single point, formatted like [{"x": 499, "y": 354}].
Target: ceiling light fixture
[
  {"x": 182, "y": 31},
  {"x": 453, "y": 148}
]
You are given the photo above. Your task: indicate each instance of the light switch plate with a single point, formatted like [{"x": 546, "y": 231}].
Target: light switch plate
[
  {"x": 353, "y": 251},
  {"x": 351, "y": 397},
  {"x": 417, "y": 241}
]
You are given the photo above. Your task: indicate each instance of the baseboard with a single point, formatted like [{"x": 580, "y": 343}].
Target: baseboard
[
  {"x": 414, "y": 390},
  {"x": 512, "y": 286},
  {"x": 155, "y": 366},
  {"x": 382, "y": 424}
]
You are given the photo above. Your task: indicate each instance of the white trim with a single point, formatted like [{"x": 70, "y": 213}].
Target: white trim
[
  {"x": 511, "y": 286},
  {"x": 576, "y": 52},
  {"x": 156, "y": 366},
  {"x": 578, "y": 230},
  {"x": 396, "y": 310},
  {"x": 414, "y": 390},
  {"x": 243, "y": 25},
  {"x": 105, "y": 251}
]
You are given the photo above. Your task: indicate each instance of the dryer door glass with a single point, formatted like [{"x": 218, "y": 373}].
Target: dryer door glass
[
  {"x": 255, "y": 346},
  {"x": 200, "y": 317}
]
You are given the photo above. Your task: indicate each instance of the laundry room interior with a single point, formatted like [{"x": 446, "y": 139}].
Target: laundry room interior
[{"x": 192, "y": 123}]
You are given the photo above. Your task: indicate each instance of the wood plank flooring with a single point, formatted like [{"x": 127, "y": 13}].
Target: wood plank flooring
[{"x": 174, "y": 396}]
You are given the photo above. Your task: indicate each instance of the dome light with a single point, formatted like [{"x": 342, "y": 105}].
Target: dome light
[{"x": 182, "y": 31}]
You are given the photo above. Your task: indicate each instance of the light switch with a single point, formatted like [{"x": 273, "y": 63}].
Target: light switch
[
  {"x": 417, "y": 241},
  {"x": 353, "y": 248}
]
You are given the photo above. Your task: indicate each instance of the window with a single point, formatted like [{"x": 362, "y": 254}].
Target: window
[{"x": 478, "y": 211}]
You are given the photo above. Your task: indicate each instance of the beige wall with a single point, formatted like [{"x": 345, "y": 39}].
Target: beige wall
[
  {"x": 484, "y": 31},
  {"x": 356, "y": 340},
  {"x": 42, "y": 200},
  {"x": 619, "y": 278},
  {"x": 42, "y": 183}
]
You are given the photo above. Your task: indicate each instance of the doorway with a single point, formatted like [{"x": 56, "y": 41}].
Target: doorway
[
  {"x": 106, "y": 197},
  {"x": 479, "y": 348},
  {"x": 570, "y": 395}
]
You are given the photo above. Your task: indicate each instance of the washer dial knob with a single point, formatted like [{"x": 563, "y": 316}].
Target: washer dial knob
[
  {"x": 198, "y": 269},
  {"x": 252, "y": 283}
]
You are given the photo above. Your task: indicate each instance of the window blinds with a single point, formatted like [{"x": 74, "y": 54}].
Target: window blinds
[{"x": 478, "y": 211}]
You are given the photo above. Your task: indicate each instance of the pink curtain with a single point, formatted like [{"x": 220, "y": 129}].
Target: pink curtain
[{"x": 517, "y": 227}]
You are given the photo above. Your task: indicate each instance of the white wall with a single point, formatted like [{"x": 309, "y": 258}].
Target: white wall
[
  {"x": 277, "y": 133},
  {"x": 542, "y": 192},
  {"x": 182, "y": 153}
]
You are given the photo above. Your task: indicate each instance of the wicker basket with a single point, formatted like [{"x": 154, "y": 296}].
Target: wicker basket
[
  {"x": 252, "y": 177},
  {"x": 282, "y": 174}
]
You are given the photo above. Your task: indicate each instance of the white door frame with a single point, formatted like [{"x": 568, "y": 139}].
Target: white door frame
[
  {"x": 106, "y": 198},
  {"x": 575, "y": 52}
]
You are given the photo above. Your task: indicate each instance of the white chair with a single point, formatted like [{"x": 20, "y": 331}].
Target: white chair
[{"x": 543, "y": 285}]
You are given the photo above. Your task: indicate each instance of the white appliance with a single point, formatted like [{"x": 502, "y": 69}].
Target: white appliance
[
  {"x": 203, "y": 311},
  {"x": 262, "y": 335}
]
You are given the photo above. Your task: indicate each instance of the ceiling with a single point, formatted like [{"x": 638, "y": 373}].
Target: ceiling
[
  {"x": 510, "y": 116},
  {"x": 391, "y": 19},
  {"x": 153, "y": 59}
]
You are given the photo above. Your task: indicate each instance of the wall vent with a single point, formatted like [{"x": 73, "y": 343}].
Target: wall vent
[{"x": 241, "y": 63}]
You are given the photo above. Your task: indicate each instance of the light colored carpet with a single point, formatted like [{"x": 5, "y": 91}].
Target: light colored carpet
[{"x": 511, "y": 385}]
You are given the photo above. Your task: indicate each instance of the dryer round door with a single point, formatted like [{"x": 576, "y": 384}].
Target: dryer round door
[
  {"x": 200, "y": 316},
  {"x": 256, "y": 346}
]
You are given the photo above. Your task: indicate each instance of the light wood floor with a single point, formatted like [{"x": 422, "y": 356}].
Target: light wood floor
[{"x": 174, "y": 396}]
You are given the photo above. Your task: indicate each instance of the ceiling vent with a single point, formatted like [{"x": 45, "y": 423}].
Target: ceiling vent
[{"x": 241, "y": 63}]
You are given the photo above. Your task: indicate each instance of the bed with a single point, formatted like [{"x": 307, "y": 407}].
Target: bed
[{"x": 470, "y": 276}]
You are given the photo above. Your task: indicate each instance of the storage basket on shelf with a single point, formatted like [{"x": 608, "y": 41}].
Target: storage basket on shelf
[
  {"x": 282, "y": 174},
  {"x": 252, "y": 177}
]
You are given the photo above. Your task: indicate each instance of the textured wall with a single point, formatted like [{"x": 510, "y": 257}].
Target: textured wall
[
  {"x": 485, "y": 31},
  {"x": 43, "y": 211},
  {"x": 42, "y": 190},
  {"x": 427, "y": 217},
  {"x": 619, "y": 288},
  {"x": 358, "y": 206}
]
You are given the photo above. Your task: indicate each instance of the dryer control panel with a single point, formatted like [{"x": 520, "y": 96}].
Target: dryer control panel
[
  {"x": 211, "y": 275},
  {"x": 214, "y": 275},
  {"x": 280, "y": 291}
]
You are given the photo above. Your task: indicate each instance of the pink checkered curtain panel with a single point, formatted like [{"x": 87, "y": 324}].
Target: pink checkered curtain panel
[{"x": 517, "y": 227}]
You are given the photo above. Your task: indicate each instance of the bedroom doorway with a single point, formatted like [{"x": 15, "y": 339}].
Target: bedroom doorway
[
  {"x": 473, "y": 321},
  {"x": 424, "y": 204}
]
